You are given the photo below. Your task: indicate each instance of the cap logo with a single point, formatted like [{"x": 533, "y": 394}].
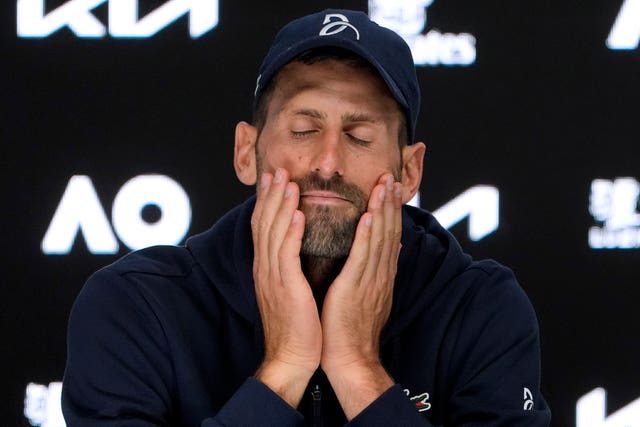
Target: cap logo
[
  {"x": 336, "y": 26},
  {"x": 255, "y": 92}
]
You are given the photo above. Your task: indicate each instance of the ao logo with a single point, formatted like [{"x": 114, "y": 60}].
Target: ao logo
[
  {"x": 591, "y": 411},
  {"x": 80, "y": 210},
  {"x": 123, "y": 18},
  {"x": 409, "y": 18},
  {"x": 625, "y": 34}
]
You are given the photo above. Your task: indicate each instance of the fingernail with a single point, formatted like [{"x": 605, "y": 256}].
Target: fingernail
[
  {"x": 278, "y": 178},
  {"x": 389, "y": 182},
  {"x": 368, "y": 220},
  {"x": 263, "y": 180},
  {"x": 297, "y": 217},
  {"x": 382, "y": 194},
  {"x": 398, "y": 190},
  {"x": 288, "y": 191}
]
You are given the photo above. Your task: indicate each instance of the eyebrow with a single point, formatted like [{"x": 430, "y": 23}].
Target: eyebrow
[
  {"x": 348, "y": 117},
  {"x": 359, "y": 117},
  {"x": 310, "y": 112}
]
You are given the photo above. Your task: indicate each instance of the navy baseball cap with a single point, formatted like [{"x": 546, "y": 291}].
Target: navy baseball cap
[{"x": 353, "y": 31}]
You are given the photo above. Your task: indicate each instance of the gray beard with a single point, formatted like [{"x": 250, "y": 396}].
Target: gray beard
[{"x": 327, "y": 233}]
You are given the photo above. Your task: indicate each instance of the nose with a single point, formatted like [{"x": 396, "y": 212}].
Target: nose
[{"x": 328, "y": 159}]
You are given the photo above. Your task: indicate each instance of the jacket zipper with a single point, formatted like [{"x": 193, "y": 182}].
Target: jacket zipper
[{"x": 316, "y": 394}]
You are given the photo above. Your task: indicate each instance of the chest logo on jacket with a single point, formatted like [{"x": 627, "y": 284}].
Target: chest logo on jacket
[
  {"x": 528, "y": 399},
  {"x": 421, "y": 401}
]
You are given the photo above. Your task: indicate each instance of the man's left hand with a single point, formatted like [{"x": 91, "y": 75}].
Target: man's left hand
[{"x": 358, "y": 303}]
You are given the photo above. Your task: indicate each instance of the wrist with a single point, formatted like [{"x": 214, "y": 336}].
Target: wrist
[
  {"x": 357, "y": 385},
  {"x": 286, "y": 380}
]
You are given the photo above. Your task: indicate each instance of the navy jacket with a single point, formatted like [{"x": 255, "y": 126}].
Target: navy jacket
[{"x": 171, "y": 336}]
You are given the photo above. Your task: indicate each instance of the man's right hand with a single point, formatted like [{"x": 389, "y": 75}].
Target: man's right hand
[{"x": 292, "y": 331}]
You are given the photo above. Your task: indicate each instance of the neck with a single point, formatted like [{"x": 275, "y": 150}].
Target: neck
[{"x": 320, "y": 273}]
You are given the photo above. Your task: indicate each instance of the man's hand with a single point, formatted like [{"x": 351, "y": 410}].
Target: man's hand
[
  {"x": 293, "y": 336},
  {"x": 358, "y": 303}
]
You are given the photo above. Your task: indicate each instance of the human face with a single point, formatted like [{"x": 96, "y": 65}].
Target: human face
[{"x": 335, "y": 128}]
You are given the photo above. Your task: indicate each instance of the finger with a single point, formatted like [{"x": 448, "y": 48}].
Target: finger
[
  {"x": 376, "y": 237},
  {"x": 260, "y": 263},
  {"x": 273, "y": 198},
  {"x": 289, "y": 251},
  {"x": 388, "y": 226},
  {"x": 263, "y": 189},
  {"x": 282, "y": 221},
  {"x": 397, "y": 227},
  {"x": 269, "y": 208},
  {"x": 359, "y": 254}
]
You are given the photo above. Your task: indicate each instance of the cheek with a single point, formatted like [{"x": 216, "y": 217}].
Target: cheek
[
  {"x": 369, "y": 169},
  {"x": 367, "y": 176},
  {"x": 273, "y": 157},
  {"x": 365, "y": 179}
]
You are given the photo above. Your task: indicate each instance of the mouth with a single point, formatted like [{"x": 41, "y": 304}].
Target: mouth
[{"x": 323, "y": 197}]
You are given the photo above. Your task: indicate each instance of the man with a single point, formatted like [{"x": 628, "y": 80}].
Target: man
[{"x": 323, "y": 300}]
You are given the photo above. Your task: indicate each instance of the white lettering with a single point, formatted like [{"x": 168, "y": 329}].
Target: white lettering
[
  {"x": 591, "y": 411},
  {"x": 123, "y": 18},
  {"x": 79, "y": 210},
  {"x": 625, "y": 33},
  {"x": 42, "y": 405},
  {"x": 76, "y": 14},
  {"x": 604, "y": 238},
  {"x": 449, "y": 49},
  {"x": 155, "y": 190},
  {"x": 614, "y": 203},
  {"x": 408, "y": 18},
  {"x": 480, "y": 203},
  {"x": 623, "y": 198}
]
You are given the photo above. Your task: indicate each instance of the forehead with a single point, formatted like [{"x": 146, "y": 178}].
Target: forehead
[{"x": 353, "y": 84}]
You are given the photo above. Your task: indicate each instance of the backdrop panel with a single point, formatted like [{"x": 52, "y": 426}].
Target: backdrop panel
[{"x": 117, "y": 129}]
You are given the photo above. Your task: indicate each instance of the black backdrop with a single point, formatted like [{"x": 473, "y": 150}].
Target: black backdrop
[{"x": 546, "y": 108}]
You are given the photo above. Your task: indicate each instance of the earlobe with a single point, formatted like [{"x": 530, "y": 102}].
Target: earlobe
[
  {"x": 244, "y": 155},
  {"x": 412, "y": 162}
]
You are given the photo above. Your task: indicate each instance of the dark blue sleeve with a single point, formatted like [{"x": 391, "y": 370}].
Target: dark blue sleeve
[
  {"x": 495, "y": 371},
  {"x": 392, "y": 408},
  {"x": 119, "y": 369},
  {"x": 255, "y": 404},
  {"x": 496, "y": 359}
]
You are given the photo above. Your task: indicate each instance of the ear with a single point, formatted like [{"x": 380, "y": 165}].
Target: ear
[
  {"x": 412, "y": 161},
  {"x": 244, "y": 154}
]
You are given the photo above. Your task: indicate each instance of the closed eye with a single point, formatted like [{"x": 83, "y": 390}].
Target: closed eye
[
  {"x": 301, "y": 133},
  {"x": 358, "y": 140}
]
